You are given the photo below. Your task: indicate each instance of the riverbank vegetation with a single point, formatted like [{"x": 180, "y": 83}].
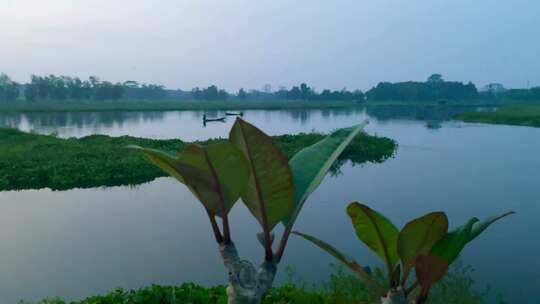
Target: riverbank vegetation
[
  {"x": 65, "y": 93},
  {"x": 341, "y": 287},
  {"x": 523, "y": 115},
  {"x": 32, "y": 161},
  {"x": 164, "y": 105}
]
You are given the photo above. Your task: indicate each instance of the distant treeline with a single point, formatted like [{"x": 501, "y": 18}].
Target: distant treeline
[{"x": 435, "y": 88}]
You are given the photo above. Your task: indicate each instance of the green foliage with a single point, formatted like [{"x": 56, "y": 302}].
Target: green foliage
[
  {"x": 424, "y": 243},
  {"x": 169, "y": 105},
  {"x": 9, "y": 90},
  {"x": 32, "y": 161},
  {"x": 452, "y": 243},
  {"x": 351, "y": 264},
  {"x": 269, "y": 191},
  {"x": 429, "y": 270},
  {"x": 458, "y": 287},
  {"x": 434, "y": 89},
  {"x": 521, "y": 115},
  {"x": 310, "y": 166},
  {"x": 216, "y": 174},
  {"x": 341, "y": 288},
  {"x": 376, "y": 231},
  {"x": 418, "y": 237}
]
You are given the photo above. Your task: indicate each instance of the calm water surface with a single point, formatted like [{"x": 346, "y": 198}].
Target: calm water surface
[{"x": 81, "y": 242}]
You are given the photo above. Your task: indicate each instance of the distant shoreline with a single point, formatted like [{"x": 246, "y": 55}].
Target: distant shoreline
[
  {"x": 145, "y": 105},
  {"x": 85, "y": 106},
  {"x": 515, "y": 115}
]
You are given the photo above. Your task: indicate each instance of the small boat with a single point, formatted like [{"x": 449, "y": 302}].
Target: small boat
[
  {"x": 205, "y": 119},
  {"x": 234, "y": 113}
]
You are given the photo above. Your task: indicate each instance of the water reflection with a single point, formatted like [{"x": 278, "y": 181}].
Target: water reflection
[{"x": 67, "y": 124}]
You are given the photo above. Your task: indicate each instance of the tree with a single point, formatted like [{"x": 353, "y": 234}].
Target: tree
[
  {"x": 75, "y": 88},
  {"x": 434, "y": 89},
  {"x": 9, "y": 89},
  {"x": 294, "y": 93},
  {"x": 59, "y": 88},
  {"x": 358, "y": 96},
  {"x": 305, "y": 91},
  {"x": 242, "y": 95},
  {"x": 117, "y": 91},
  {"x": 30, "y": 92},
  {"x": 535, "y": 93},
  {"x": 435, "y": 78},
  {"x": 249, "y": 165}
]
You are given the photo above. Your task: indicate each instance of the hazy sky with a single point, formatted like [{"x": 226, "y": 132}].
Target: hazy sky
[{"x": 247, "y": 43}]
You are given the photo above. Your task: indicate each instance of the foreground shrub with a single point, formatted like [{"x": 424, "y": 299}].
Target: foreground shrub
[{"x": 342, "y": 287}]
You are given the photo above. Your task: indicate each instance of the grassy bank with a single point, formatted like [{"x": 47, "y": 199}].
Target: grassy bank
[
  {"x": 341, "y": 288},
  {"x": 148, "y": 105},
  {"x": 452, "y": 103},
  {"x": 32, "y": 161},
  {"x": 92, "y": 106},
  {"x": 523, "y": 115}
]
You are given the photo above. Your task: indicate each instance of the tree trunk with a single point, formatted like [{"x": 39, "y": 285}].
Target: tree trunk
[{"x": 246, "y": 284}]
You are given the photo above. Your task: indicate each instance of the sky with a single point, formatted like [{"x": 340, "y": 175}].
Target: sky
[{"x": 333, "y": 44}]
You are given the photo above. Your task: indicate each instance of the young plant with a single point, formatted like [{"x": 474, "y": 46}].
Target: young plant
[
  {"x": 424, "y": 244},
  {"x": 250, "y": 166}
]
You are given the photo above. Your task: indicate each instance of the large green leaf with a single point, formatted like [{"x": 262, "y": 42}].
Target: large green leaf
[
  {"x": 453, "y": 243},
  {"x": 216, "y": 174},
  {"x": 480, "y": 227},
  {"x": 269, "y": 191},
  {"x": 310, "y": 165},
  {"x": 449, "y": 247},
  {"x": 376, "y": 231},
  {"x": 351, "y": 264},
  {"x": 418, "y": 237},
  {"x": 163, "y": 160},
  {"x": 429, "y": 270}
]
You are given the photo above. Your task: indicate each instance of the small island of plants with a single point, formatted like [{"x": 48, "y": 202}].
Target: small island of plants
[
  {"x": 33, "y": 161},
  {"x": 519, "y": 115}
]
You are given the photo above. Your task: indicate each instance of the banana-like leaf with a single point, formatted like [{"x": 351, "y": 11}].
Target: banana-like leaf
[
  {"x": 351, "y": 264},
  {"x": 418, "y": 237},
  {"x": 163, "y": 160},
  {"x": 216, "y": 174},
  {"x": 480, "y": 227},
  {"x": 449, "y": 247},
  {"x": 310, "y": 165},
  {"x": 376, "y": 231},
  {"x": 269, "y": 191},
  {"x": 429, "y": 270}
]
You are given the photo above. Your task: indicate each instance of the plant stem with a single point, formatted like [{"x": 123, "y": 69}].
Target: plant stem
[
  {"x": 412, "y": 288},
  {"x": 215, "y": 227},
  {"x": 283, "y": 242}
]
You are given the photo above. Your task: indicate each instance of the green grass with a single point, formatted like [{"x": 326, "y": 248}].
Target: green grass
[
  {"x": 93, "y": 106},
  {"x": 522, "y": 115},
  {"x": 340, "y": 288},
  {"x": 32, "y": 161}
]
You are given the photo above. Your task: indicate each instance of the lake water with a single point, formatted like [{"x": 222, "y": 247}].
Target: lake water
[{"x": 78, "y": 243}]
